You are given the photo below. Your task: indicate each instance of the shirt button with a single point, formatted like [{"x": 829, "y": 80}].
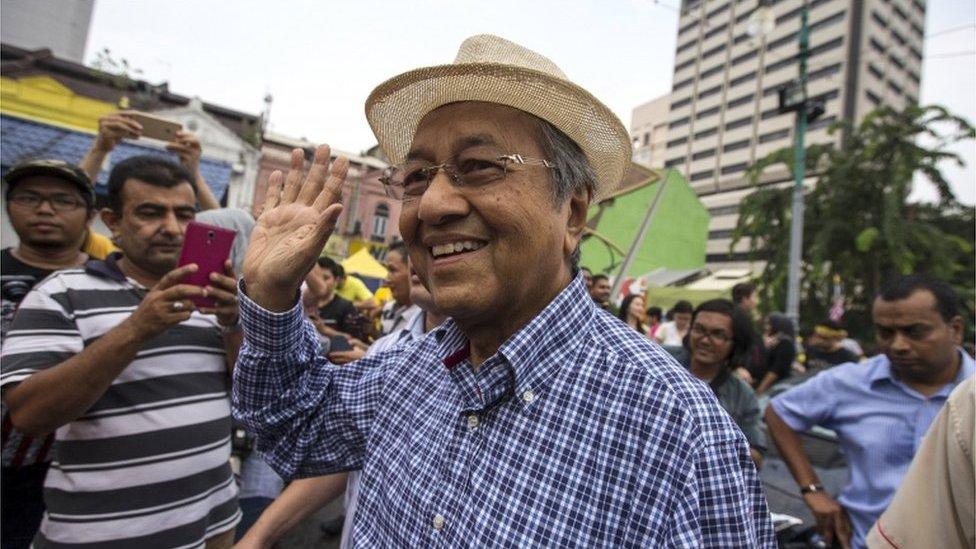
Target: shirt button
[
  {"x": 438, "y": 522},
  {"x": 472, "y": 421},
  {"x": 528, "y": 396}
]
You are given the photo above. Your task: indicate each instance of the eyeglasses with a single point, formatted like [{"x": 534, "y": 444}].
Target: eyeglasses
[
  {"x": 408, "y": 181},
  {"x": 59, "y": 202},
  {"x": 718, "y": 336}
]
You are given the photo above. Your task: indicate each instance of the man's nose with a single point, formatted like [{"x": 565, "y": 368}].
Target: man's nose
[
  {"x": 171, "y": 224},
  {"x": 45, "y": 207},
  {"x": 442, "y": 201},
  {"x": 900, "y": 343}
]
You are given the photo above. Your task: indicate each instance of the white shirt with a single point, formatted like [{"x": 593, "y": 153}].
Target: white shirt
[{"x": 668, "y": 334}]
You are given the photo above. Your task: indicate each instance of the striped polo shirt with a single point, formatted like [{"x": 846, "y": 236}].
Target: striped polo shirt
[{"x": 147, "y": 465}]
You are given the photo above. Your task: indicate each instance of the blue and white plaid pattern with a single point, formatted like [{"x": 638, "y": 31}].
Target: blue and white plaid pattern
[{"x": 578, "y": 432}]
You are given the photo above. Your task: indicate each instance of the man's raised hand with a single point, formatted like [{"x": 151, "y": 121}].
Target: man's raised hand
[{"x": 300, "y": 212}]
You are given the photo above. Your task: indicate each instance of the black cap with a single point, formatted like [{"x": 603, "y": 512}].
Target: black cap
[{"x": 53, "y": 168}]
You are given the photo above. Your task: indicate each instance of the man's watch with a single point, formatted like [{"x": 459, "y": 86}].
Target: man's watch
[{"x": 811, "y": 489}]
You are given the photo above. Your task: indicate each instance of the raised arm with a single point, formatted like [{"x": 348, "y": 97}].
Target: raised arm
[
  {"x": 112, "y": 128},
  {"x": 187, "y": 147}
]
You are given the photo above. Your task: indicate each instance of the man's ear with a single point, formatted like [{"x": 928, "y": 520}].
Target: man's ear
[
  {"x": 579, "y": 205},
  {"x": 112, "y": 220},
  {"x": 958, "y": 328}
]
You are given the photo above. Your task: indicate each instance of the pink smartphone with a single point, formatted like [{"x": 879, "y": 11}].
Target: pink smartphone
[{"x": 209, "y": 247}]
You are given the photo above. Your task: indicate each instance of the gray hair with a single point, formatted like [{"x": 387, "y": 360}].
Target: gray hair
[{"x": 573, "y": 171}]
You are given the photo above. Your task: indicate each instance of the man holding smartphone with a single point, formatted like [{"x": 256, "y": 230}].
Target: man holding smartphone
[{"x": 116, "y": 358}]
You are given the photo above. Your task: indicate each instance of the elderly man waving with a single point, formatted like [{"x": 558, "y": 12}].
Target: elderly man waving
[{"x": 531, "y": 418}]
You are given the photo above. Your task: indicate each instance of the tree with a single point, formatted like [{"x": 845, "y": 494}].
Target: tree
[{"x": 859, "y": 224}]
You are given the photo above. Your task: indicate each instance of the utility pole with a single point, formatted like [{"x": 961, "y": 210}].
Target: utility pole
[{"x": 799, "y": 173}]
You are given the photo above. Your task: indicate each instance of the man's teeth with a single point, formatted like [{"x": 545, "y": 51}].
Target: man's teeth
[{"x": 455, "y": 247}]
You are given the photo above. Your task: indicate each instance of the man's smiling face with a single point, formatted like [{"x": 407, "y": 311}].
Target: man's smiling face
[{"x": 495, "y": 251}]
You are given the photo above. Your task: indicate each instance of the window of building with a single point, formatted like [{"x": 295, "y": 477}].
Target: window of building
[
  {"x": 895, "y": 87},
  {"x": 686, "y": 46},
  {"x": 698, "y": 176},
  {"x": 911, "y": 99},
  {"x": 915, "y": 53},
  {"x": 825, "y": 72},
  {"x": 917, "y": 30},
  {"x": 692, "y": 24},
  {"x": 915, "y": 77},
  {"x": 782, "y": 41},
  {"x": 740, "y": 39},
  {"x": 896, "y": 61},
  {"x": 740, "y": 101},
  {"x": 900, "y": 12},
  {"x": 773, "y": 136},
  {"x": 680, "y": 103},
  {"x": 827, "y": 21},
  {"x": 735, "y": 168},
  {"x": 647, "y": 138},
  {"x": 742, "y": 79},
  {"x": 723, "y": 210},
  {"x": 920, "y": 7},
  {"x": 674, "y": 162},
  {"x": 877, "y": 46},
  {"x": 381, "y": 215},
  {"x": 685, "y": 65},
  {"x": 707, "y": 112},
  {"x": 703, "y": 154},
  {"x": 822, "y": 123},
  {"x": 717, "y": 30},
  {"x": 771, "y": 113},
  {"x": 743, "y": 58},
  {"x": 744, "y": 15},
  {"x": 711, "y": 71},
  {"x": 679, "y": 122},
  {"x": 713, "y": 51},
  {"x": 875, "y": 71},
  {"x": 721, "y": 9},
  {"x": 677, "y": 142},
  {"x": 709, "y": 92},
  {"x": 682, "y": 84},
  {"x": 736, "y": 145},
  {"x": 898, "y": 37},
  {"x": 706, "y": 133},
  {"x": 738, "y": 123},
  {"x": 873, "y": 98},
  {"x": 878, "y": 19},
  {"x": 721, "y": 233}
]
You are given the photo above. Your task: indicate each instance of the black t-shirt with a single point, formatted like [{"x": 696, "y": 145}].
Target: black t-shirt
[
  {"x": 339, "y": 314},
  {"x": 818, "y": 360},
  {"x": 779, "y": 359},
  {"x": 16, "y": 279}
]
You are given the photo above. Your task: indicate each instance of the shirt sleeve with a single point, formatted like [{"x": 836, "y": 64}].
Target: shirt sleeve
[
  {"x": 310, "y": 417},
  {"x": 750, "y": 420},
  {"x": 41, "y": 335},
  {"x": 809, "y": 403}
]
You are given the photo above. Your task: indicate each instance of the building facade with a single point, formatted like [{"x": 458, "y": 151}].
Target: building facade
[
  {"x": 369, "y": 216},
  {"x": 723, "y": 113},
  {"x": 649, "y": 131},
  {"x": 57, "y": 25}
]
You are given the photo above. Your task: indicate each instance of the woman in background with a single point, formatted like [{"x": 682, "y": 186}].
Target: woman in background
[{"x": 632, "y": 312}]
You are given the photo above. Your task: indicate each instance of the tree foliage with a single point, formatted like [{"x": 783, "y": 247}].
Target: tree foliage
[{"x": 859, "y": 223}]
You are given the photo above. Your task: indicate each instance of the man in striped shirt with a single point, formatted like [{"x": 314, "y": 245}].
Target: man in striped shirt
[{"x": 115, "y": 357}]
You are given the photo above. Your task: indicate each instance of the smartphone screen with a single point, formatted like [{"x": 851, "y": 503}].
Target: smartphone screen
[{"x": 209, "y": 247}]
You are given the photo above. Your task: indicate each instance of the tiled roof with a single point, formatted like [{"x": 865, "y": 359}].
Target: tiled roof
[{"x": 24, "y": 140}]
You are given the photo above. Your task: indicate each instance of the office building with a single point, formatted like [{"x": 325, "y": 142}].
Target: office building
[
  {"x": 724, "y": 113},
  {"x": 649, "y": 131}
]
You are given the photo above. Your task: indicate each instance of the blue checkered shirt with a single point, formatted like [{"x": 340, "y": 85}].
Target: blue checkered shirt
[{"x": 578, "y": 432}]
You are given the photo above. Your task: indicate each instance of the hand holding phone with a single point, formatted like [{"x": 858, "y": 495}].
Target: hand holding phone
[
  {"x": 209, "y": 247},
  {"x": 155, "y": 127}
]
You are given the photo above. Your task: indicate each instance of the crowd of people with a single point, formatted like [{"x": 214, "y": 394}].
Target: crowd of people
[{"x": 498, "y": 397}]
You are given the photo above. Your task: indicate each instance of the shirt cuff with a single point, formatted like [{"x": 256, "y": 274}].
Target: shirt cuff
[{"x": 268, "y": 331}]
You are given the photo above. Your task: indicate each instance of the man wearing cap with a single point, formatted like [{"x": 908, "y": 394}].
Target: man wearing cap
[
  {"x": 50, "y": 204},
  {"x": 529, "y": 418}
]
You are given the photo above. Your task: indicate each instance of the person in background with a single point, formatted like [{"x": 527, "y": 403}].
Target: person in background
[
  {"x": 134, "y": 378},
  {"x": 114, "y": 127},
  {"x": 654, "y": 315},
  {"x": 717, "y": 343},
  {"x": 632, "y": 312},
  {"x": 672, "y": 333},
  {"x": 398, "y": 313},
  {"x": 336, "y": 316},
  {"x": 824, "y": 349},
  {"x": 236, "y": 220},
  {"x": 744, "y": 296},
  {"x": 934, "y": 507},
  {"x": 354, "y": 290},
  {"x": 600, "y": 292},
  {"x": 779, "y": 338},
  {"x": 587, "y": 277},
  {"x": 880, "y": 408},
  {"x": 50, "y": 205}
]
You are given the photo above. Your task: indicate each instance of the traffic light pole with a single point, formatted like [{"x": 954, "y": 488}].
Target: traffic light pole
[{"x": 799, "y": 173}]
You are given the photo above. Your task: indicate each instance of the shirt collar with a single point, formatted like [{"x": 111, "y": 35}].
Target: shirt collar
[
  {"x": 882, "y": 371},
  {"x": 106, "y": 268}
]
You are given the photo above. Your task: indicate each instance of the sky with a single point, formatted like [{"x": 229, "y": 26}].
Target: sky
[{"x": 319, "y": 60}]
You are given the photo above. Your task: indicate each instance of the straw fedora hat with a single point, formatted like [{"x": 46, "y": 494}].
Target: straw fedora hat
[{"x": 491, "y": 69}]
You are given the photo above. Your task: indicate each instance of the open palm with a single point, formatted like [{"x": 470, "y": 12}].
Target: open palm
[{"x": 300, "y": 212}]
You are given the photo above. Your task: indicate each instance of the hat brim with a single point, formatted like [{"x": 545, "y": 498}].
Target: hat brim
[
  {"x": 395, "y": 108},
  {"x": 17, "y": 174}
]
